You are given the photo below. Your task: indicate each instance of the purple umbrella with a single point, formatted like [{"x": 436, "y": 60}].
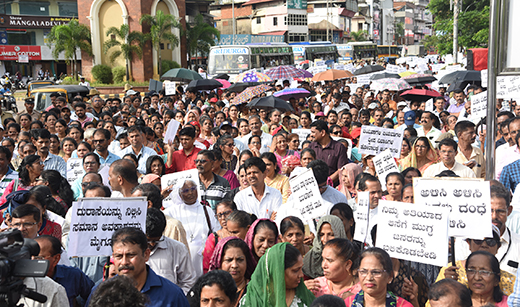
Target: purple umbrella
[
  {"x": 307, "y": 74},
  {"x": 289, "y": 93}
]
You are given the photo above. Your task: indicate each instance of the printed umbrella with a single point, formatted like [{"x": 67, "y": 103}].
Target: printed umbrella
[
  {"x": 419, "y": 94},
  {"x": 461, "y": 75},
  {"x": 389, "y": 84},
  {"x": 225, "y": 83},
  {"x": 249, "y": 93},
  {"x": 284, "y": 72},
  {"x": 204, "y": 85},
  {"x": 252, "y": 76},
  {"x": 289, "y": 93},
  {"x": 239, "y": 87},
  {"x": 181, "y": 74},
  {"x": 419, "y": 79},
  {"x": 369, "y": 69},
  {"x": 270, "y": 102},
  {"x": 384, "y": 75},
  {"x": 332, "y": 74}
]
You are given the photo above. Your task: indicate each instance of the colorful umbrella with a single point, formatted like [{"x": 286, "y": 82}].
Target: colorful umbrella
[
  {"x": 332, "y": 74},
  {"x": 225, "y": 83},
  {"x": 249, "y": 93},
  {"x": 306, "y": 74},
  {"x": 407, "y": 73},
  {"x": 389, "y": 84},
  {"x": 284, "y": 72},
  {"x": 419, "y": 79},
  {"x": 289, "y": 93},
  {"x": 181, "y": 74},
  {"x": 419, "y": 94},
  {"x": 252, "y": 76},
  {"x": 270, "y": 102},
  {"x": 239, "y": 87}
]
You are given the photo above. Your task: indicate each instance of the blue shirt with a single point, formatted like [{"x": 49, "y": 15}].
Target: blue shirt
[
  {"x": 510, "y": 176},
  {"x": 142, "y": 156},
  {"x": 160, "y": 291},
  {"x": 56, "y": 163},
  {"x": 111, "y": 158},
  {"x": 75, "y": 282}
]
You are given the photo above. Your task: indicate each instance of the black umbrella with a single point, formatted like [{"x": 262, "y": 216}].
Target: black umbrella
[
  {"x": 419, "y": 79},
  {"x": 369, "y": 69},
  {"x": 384, "y": 75},
  {"x": 461, "y": 85},
  {"x": 204, "y": 85},
  {"x": 239, "y": 87},
  {"x": 270, "y": 102},
  {"x": 461, "y": 75},
  {"x": 222, "y": 76}
]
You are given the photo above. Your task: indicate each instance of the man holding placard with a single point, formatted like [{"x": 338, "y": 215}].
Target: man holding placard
[{"x": 448, "y": 149}]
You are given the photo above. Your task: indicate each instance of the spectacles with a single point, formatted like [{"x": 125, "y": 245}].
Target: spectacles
[
  {"x": 223, "y": 214},
  {"x": 98, "y": 141},
  {"x": 336, "y": 132},
  {"x": 230, "y": 145},
  {"x": 482, "y": 273},
  {"x": 490, "y": 242},
  {"x": 42, "y": 257},
  {"x": 192, "y": 189},
  {"x": 375, "y": 273},
  {"x": 201, "y": 161},
  {"x": 25, "y": 225},
  {"x": 499, "y": 211}
]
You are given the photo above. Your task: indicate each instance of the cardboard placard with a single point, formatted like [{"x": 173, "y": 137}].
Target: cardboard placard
[
  {"x": 374, "y": 140},
  {"x": 479, "y": 105},
  {"x": 74, "y": 169},
  {"x": 384, "y": 164},
  {"x": 305, "y": 189}
]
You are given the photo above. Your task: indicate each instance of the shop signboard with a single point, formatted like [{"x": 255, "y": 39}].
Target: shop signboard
[
  {"x": 13, "y": 52},
  {"x": 32, "y": 22}
]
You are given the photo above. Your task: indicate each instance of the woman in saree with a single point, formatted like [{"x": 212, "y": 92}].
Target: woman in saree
[{"x": 422, "y": 155}]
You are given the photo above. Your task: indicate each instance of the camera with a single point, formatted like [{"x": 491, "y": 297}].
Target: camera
[{"x": 16, "y": 264}]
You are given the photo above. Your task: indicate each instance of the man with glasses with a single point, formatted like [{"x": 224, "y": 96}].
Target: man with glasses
[
  {"x": 511, "y": 154},
  {"x": 255, "y": 125},
  {"x": 448, "y": 149},
  {"x": 212, "y": 186},
  {"x": 169, "y": 258},
  {"x": 75, "y": 282},
  {"x": 101, "y": 141}
]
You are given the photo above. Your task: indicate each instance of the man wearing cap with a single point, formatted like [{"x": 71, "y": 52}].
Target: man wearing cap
[
  {"x": 131, "y": 93},
  {"x": 83, "y": 82},
  {"x": 409, "y": 121},
  {"x": 29, "y": 109}
]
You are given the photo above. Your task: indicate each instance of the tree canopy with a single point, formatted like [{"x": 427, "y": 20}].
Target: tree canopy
[
  {"x": 200, "y": 36},
  {"x": 129, "y": 43}
]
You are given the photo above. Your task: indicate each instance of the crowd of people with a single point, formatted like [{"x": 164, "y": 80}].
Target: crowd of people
[{"x": 237, "y": 237}]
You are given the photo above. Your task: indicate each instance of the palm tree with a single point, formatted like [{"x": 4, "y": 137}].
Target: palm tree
[
  {"x": 133, "y": 43},
  {"x": 359, "y": 36},
  {"x": 200, "y": 36},
  {"x": 69, "y": 38},
  {"x": 161, "y": 26}
]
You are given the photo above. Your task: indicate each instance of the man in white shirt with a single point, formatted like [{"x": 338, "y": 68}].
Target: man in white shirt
[
  {"x": 168, "y": 258},
  {"x": 135, "y": 136},
  {"x": 448, "y": 150},
  {"x": 511, "y": 154},
  {"x": 255, "y": 124},
  {"x": 258, "y": 198},
  {"x": 427, "y": 129}
]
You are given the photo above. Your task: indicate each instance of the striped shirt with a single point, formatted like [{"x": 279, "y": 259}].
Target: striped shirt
[{"x": 215, "y": 192}]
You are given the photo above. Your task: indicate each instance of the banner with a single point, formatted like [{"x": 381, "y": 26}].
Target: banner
[
  {"x": 413, "y": 232},
  {"x": 12, "y": 53},
  {"x": 95, "y": 219},
  {"x": 508, "y": 87},
  {"x": 305, "y": 190},
  {"x": 479, "y": 105},
  {"x": 374, "y": 140},
  {"x": 74, "y": 169},
  {"x": 468, "y": 201},
  {"x": 384, "y": 164}
]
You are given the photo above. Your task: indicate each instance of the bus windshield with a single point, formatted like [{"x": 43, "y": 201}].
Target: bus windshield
[
  {"x": 228, "y": 60},
  {"x": 344, "y": 53}
]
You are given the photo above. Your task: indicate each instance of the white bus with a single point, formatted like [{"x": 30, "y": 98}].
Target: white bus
[{"x": 313, "y": 51}]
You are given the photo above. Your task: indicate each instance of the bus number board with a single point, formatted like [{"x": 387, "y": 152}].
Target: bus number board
[{"x": 229, "y": 51}]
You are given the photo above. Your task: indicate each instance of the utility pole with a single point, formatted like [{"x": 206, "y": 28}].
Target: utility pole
[{"x": 455, "y": 30}]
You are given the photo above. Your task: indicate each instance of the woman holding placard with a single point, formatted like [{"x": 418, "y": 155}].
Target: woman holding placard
[
  {"x": 484, "y": 273},
  {"x": 375, "y": 274},
  {"x": 422, "y": 155}
]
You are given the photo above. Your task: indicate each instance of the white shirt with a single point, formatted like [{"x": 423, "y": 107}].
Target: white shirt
[
  {"x": 507, "y": 156},
  {"x": 56, "y": 294},
  {"x": 194, "y": 221},
  {"x": 459, "y": 169},
  {"x": 432, "y": 135},
  {"x": 171, "y": 260},
  {"x": 142, "y": 156},
  {"x": 270, "y": 202},
  {"x": 510, "y": 244},
  {"x": 266, "y": 139}
]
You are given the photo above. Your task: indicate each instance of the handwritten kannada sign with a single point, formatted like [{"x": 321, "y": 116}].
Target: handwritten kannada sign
[
  {"x": 363, "y": 216},
  {"x": 385, "y": 164},
  {"x": 374, "y": 140},
  {"x": 479, "y": 105},
  {"x": 95, "y": 219},
  {"x": 508, "y": 87},
  {"x": 169, "y": 88},
  {"x": 305, "y": 189},
  {"x": 467, "y": 200},
  {"x": 413, "y": 232},
  {"x": 74, "y": 169}
]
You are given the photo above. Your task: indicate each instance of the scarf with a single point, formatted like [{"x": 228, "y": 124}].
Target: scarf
[
  {"x": 351, "y": 170},
  {"x": 216, "y": 259},
  {"x": 251, "y": 235},
  {"x": 359, "y": 300},
  {"x": 411, "y": 159},
  {"x": 312, "y": 260},
  {"x": 267, "y": 285}
]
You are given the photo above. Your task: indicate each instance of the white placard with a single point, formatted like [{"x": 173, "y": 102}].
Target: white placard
[
  {"x": 175, "y": 179},
  {"x": 363, "y": 217},
  {"x": 103, "y": 171},
  {"x": 429, "y": 105},
  {"x": 393, "y": 69},
  {"x": 302, "y": 134},
  {"x": 349, "y": 67},
  {"x": 171, "y": 131},
  {"x": 479, "y": 105},
  {"x": 508, "y": 87},
  {"x": 385, "y": 164},
  {"x": 468, "y": 201},
  {"x": 374, "y": 140},
  {"x": 95, "y": 219},
  {"x": 413, "y": 232},
  {"x": 363, "y": 79},
  {"x": 305, "y": 190},
  {"x": 320, "y": 63},
  {"x": 484, "y": 77},
  {"x": 74, "y": 169},
  {"x": 169, "y": 88}
]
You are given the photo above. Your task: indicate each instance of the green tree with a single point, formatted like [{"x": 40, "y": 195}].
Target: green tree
[
  {"x": 399, "y": 32},
  {"x": 473, "y": 25},
  {"x": 129, "y": 43},
  {"x": 200, "y": 36},
  {"x": 69, "y": 38},
  {"x": 161, "y": 26},
  {"x": 359, "y": 36}
]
